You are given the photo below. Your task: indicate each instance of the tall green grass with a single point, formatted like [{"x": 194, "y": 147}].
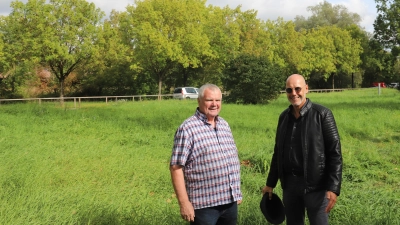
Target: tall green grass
[{"x": 108, "y": 163}]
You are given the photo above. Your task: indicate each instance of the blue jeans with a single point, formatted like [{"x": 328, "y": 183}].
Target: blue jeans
[
  {"x": 217, "y": 215},
  {"x": 296, "y": 203}
]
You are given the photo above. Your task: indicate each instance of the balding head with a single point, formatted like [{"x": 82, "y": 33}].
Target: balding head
[
  {"x": 296, "y": 90},
  {"x": 296, "y": 78}
]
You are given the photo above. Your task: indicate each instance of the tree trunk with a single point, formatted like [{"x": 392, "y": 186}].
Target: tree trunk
[
  {"x": 62, "y": 91},
  {"x": 159, "y": 87}
]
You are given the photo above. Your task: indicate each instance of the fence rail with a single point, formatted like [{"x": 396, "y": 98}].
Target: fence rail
[
  {"x": 77, "y": 100},
  {"x": 323, "y": 90}
]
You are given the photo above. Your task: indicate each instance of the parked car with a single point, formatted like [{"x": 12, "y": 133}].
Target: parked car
[
  {"x": 185, "y": 93},
  {"x": 394, "y": 85}
]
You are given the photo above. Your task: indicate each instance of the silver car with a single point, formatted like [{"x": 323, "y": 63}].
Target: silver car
[{"x": 185, "y": 93}]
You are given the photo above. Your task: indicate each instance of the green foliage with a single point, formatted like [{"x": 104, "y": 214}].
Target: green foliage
[
  {"x": 2, "y": 54},
  {"x": 387, "y": 33},
  {"x": 166, "y": 34},
  {"x": 14, "y": 80},
  {"x": 286, "y": 48},
  {"x": 252, "y": 80},
  {"x": 387, "y": 24},
  {"x": 164, "y": 44},
  {"x": 59, "y": 35},
  {"x": 110, "y": 73},
  {"x": 340, "y": 54},
  {"x": 378, "y": 64}
]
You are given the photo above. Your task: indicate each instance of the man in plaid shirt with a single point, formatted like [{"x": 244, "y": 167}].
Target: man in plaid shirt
[{"x": 205, "y": 167}]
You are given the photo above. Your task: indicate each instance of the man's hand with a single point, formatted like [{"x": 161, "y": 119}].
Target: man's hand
[
  {"x": 187, "y": 211},
  {"x": 269, "y": 190},
  {"x": 178, "y": 181},
  {"x": 332, "y": 200}
]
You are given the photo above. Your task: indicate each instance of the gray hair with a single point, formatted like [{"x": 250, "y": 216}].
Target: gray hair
[{"x": 212, "y": 87}]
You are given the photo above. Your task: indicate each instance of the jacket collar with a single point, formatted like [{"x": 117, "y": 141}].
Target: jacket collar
[{"x": 303, "y": 109}]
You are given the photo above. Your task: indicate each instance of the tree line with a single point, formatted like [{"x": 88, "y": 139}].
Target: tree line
[{"x": 68, "y": 48}]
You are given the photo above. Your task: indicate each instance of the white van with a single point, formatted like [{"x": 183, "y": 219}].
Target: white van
[
  {"x": 185, "y": 93},
  {"x": 394, "y": 85}
]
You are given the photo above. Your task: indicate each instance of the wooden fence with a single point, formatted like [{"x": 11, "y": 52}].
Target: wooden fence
[
  {"x": 77, "y": 100},
  {"x": 322, "y": 90}
]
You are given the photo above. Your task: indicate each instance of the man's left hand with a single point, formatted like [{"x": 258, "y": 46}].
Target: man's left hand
[{"x": 332, "y": 200}]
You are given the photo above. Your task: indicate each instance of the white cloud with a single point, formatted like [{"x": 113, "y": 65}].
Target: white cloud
[{"x": 107, "y": 6}]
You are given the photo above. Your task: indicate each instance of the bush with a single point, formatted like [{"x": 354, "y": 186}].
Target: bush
[{"x": 252, "y": 80}]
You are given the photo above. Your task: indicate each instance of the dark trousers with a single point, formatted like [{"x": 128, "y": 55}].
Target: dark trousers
[
  {"x": 217, "y": 215},
  {"x": 296, "y": 203}
]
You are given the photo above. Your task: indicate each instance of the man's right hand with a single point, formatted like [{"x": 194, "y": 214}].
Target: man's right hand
[
  {"x": 187, "y": 211},
  {"x": 269, "y": 190}
]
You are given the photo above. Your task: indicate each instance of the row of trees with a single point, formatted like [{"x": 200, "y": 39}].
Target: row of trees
[{"x": 68, "y": 48}]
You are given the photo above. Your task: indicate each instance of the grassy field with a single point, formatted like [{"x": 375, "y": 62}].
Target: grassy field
[{"x": 108, "y": 163}]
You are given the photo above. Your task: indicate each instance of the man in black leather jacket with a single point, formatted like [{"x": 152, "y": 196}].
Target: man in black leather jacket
[{"x": 307, "y": 157}]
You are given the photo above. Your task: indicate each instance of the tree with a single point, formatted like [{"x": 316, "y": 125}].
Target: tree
[
  {"x": 254, "y": 40},
  {"x": 164, "y": 34},
  {"x": 15, "y": 71},
  {"x": 378, "y": 64},
  {"x": 319, "y": 54},
  {"x": 2, "y": 58},
  {"x": 232, "y": 32},
  {"x": 371, "y": 58},
  {"x": 340, "y": 53},
  {"x": 253, "y": 79},
  {"x": 286, "y": 48},
  {"x": 109, "y": 72},
  {"x": 2, "y": 54},
  {"x": 223, "y": 32},
  {"x": 387, "y": 24},
  {"x": 387, "y": 33},
  {"x": 326, "y": 14},
  {"x": 61, "y": 35}
]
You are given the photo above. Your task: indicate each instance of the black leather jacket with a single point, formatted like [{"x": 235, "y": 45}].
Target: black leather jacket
[{"x": 321, "y": 148}]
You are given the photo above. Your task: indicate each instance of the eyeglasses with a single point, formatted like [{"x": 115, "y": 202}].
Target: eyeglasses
[{"x": 290, "y": 90}]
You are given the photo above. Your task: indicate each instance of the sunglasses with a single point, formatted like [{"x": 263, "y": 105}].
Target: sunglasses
[{"x": 290, "y": 90}]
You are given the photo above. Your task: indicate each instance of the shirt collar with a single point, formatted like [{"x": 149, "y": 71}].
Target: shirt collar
[
  {"x": 203, "y": 117},
  {"x": 303, "y": 109}
]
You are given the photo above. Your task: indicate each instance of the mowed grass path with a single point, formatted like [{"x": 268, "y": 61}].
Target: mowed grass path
[{"x": 108, "y": 163}]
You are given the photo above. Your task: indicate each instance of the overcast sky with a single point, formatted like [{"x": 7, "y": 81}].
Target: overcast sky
[{"x": 267, "y": 9}]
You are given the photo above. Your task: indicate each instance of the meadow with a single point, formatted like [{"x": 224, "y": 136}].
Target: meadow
[{"x": 109, "y": 163}]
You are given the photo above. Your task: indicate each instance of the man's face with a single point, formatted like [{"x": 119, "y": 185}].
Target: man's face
[
  {"x": 210, "y": 104},
  {"x": 296, "y": 90}
]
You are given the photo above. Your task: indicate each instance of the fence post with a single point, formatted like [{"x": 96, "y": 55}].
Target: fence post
[{"x": 379, "y": 89}]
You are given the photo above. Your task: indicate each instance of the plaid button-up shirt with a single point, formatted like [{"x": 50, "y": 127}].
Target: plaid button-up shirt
[{"x": 210, "y": 161}]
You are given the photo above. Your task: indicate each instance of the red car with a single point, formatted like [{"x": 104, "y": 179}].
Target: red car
[{"x": 377, "y": 84}]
